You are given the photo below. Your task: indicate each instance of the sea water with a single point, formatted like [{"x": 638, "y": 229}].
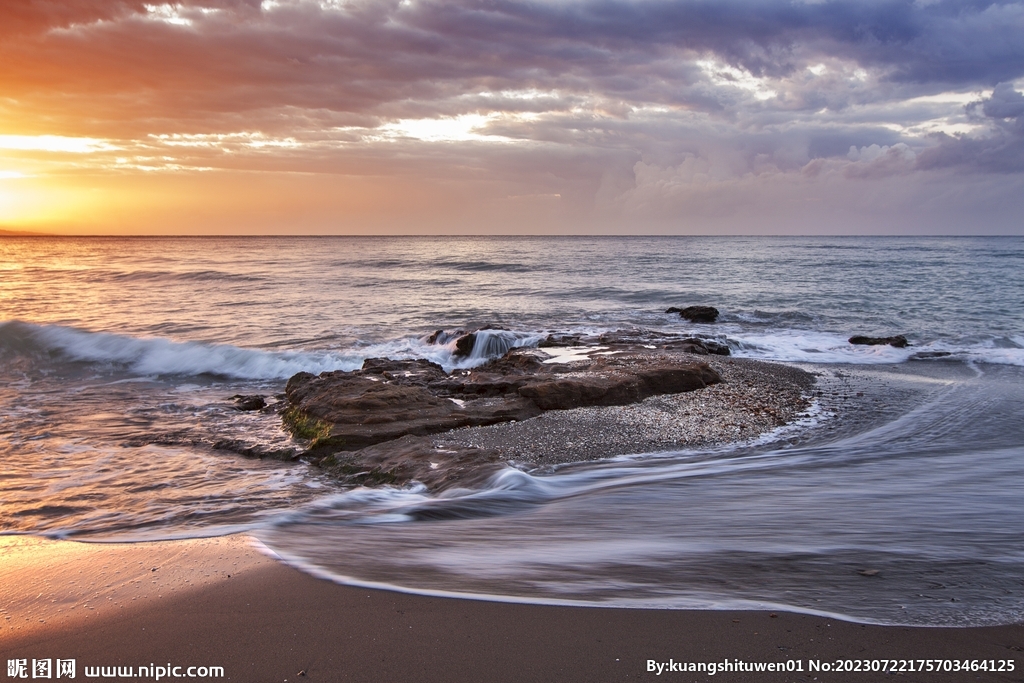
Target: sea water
[{"x": 119, "y": 358}]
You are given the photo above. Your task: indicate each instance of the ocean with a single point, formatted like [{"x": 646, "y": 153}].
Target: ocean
[{"x": 119, "y": 358}]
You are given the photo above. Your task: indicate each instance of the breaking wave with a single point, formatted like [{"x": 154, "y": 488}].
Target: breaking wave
[{"x": 159, "y": 356}]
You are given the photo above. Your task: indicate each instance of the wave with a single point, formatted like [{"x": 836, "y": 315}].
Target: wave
[
  {"x": 806, "y": 346},
  {"x": 180, "y": 276},
  {"x": 485, "y": 266},
  {"x": 374, "y": 264},
  {"x": 143, "y": 275},
  {"x": 769, "y": 318},
  {"x": 159, "y": 356}
]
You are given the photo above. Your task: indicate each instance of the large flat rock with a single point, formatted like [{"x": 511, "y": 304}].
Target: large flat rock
[{"x": 343, "y": 413}]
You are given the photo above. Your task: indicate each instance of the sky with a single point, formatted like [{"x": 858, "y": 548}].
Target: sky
[{"x": 504, "y": 117}]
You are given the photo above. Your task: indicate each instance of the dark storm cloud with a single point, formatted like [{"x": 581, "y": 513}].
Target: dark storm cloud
[{"x": 1005, "y": 103}]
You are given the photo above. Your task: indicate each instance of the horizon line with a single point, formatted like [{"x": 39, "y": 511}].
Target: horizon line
[{"x": 29, "y": 233}]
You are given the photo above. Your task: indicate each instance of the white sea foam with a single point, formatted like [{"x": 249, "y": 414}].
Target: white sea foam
[
  {"x": 804, "y": 346},
  {"x": 158, "y": 356}
]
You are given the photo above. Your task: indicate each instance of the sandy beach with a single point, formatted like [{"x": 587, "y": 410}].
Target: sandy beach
[{"x": 222, "y": 603}]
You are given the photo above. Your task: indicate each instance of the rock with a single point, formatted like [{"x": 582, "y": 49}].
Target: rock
[
  {"x": 256, "y": 450},
  {"x": 465, "y": 340},
  {"x": 249, "y": 402},
  {"x": 413, "y": 458},
  {"x": 699, "y": 344},
  {"x": 464, "y": 345},
  {"x": 357, "y": 410},
  {"x": 611, "y": 386},
  {"x": 899, "y": 341},
  {"x": 701, "y": 347},
  {"x": 487, "y": 342},
  {"x": 696, "y": 314},
  {"x": 386, "y": 400},
  {"x": 558, "y": 340},
  {"x": 416, "y": 372},
  {"x": 621, "y": 337},
  {"x": 442, "y": 337}
]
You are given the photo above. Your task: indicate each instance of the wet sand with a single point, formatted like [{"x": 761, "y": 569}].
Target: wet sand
[{"x": 220, "y": 602}]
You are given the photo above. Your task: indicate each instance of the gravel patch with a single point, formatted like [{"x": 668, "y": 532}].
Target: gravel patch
[{"x": 754, "y": 398}]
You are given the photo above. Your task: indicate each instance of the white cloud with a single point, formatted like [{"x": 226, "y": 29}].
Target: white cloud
[
  {"x": 723, "y": 75},
  {"x": 168, "y": 14},
  {"x": 54, "y": 143},
  {"x": 464, "y": 128}
]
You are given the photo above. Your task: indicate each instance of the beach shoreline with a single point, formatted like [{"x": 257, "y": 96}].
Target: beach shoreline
[{"x": 270, "y": 622}]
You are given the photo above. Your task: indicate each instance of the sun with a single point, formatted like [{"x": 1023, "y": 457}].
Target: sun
[{"x": 33, "y": 201}]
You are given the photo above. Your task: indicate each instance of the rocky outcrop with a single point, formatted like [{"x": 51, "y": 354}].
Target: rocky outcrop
[
  {"x": 347, "y": 415},
  {"x": 899, "y": 341},
  {"x": 696, "y": 314},
  {"x": 699, "y": 345}
]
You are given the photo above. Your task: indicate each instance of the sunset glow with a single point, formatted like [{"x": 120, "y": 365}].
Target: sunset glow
[{"x": 295, "y": 116}]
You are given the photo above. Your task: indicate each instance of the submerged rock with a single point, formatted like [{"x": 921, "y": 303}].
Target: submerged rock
[
  {"x": 249, "y": 402},
  {"x": 696, "y": 314},
  {"x": 899, "y": 341},
  {"x": 413, "y": 458},
  {"x": 358, "y": 418},
  {"x": 250, "y": 450},
  {"x": 929, "y": 355}
]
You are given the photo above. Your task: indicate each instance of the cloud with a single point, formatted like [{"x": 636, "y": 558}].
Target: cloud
[
  {"x": 1005, "y": 103},
  {"x": 629, "y": 104},
  {"x": 999, "y": 149},
  {"x": 879, "y": 162},
  {"x": 386, "y": 57}
]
